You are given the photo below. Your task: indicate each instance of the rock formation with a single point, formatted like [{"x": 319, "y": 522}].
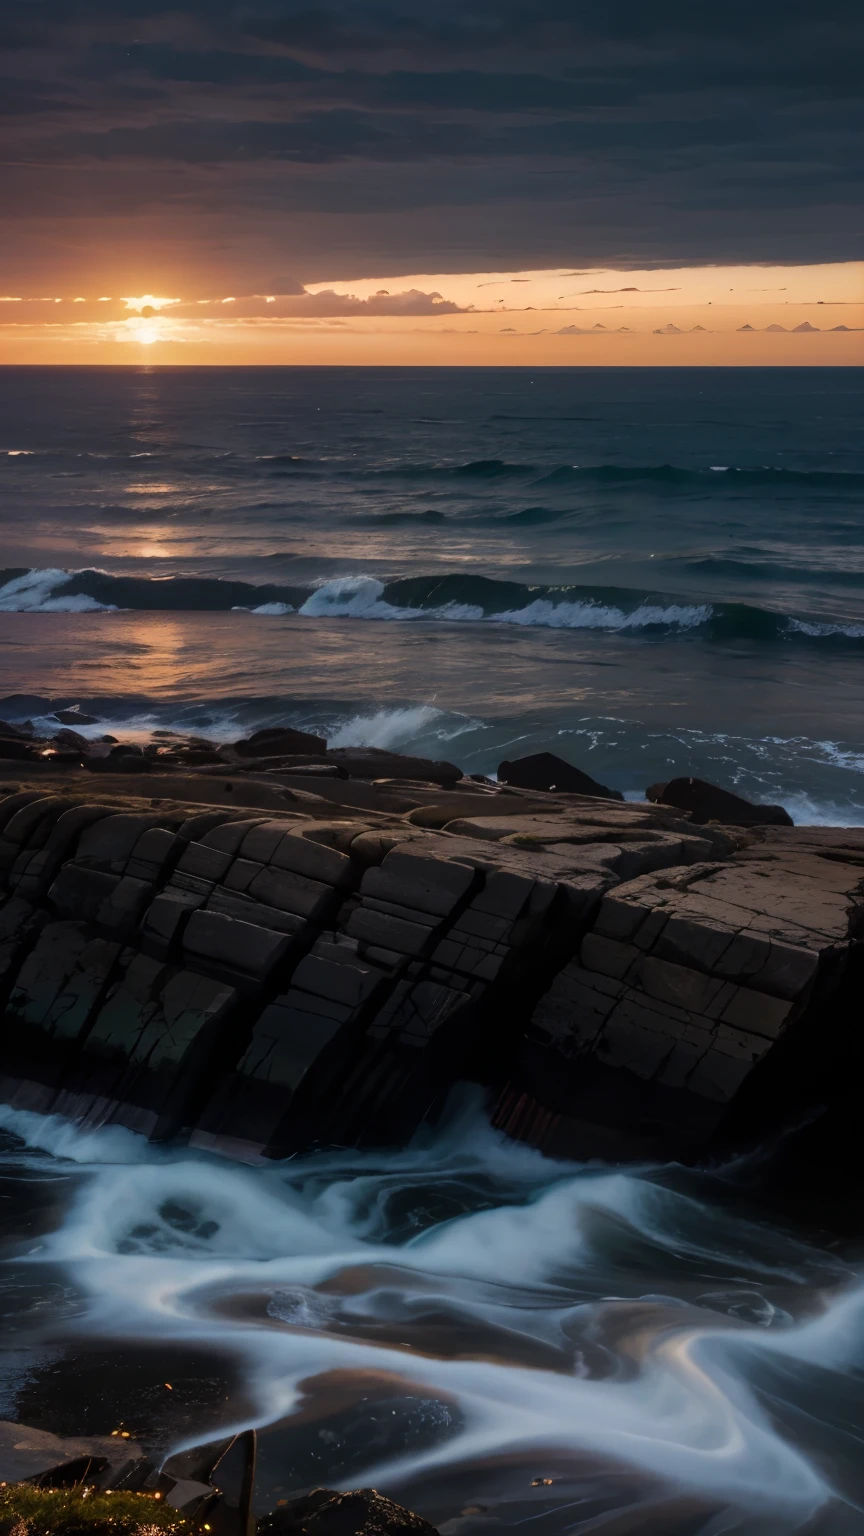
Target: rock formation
[
  {"x": 705, "y": 802},
  {"x": 227, "y": 957},
  {"x": 545, "y": 771}
]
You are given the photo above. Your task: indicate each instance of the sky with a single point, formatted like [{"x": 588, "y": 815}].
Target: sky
[{"x": 486, "y": 181}]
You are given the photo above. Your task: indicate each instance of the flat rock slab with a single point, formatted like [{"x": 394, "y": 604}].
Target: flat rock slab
[
  {"x": 27, "y": 1452},
  {"x": 278, "y": 969}
]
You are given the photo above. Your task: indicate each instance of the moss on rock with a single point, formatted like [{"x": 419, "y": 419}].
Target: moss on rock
[{"x": 29, "y": 1511}]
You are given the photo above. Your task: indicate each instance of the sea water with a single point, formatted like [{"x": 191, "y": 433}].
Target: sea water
[
  {"x": 464, "y": 1324},
  {"x": 650, "y": 571}
]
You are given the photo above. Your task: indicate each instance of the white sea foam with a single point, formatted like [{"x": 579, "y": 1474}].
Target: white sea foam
[
  {"x": 360, "y": 597},
  {"x": 51, "y": 1133},
  {"x": 34, "y": 593},
  {"x": 588, "y": 615},
  {"x": 673, "y": 1399},
  {"x": 806, "y": 811},
  {"x": 819, "y": 630},
  {"x": 389, "y": 728}
]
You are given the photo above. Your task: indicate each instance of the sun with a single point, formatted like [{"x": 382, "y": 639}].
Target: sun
[{"x": 144, "y": 332}]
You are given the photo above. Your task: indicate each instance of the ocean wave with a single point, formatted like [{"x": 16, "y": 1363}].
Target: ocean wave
[
  {"x": 34, "y": 591},
  {"x": 670, "y": 476},
  {"x": 91, "y": 591},
  {"x": 474, "y": 469},
  {"x": 400, "y": 519},
  {"x": 453, "y": 599},
  {"x": 756, "y": 567},
  {"x": 724, "y": 475}
]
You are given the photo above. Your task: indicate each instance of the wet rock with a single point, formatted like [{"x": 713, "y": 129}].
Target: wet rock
[
  {"x": 278, "y": 741},
  {"x": 67, "y": 738},
  {"x": 706, "y": 802},
  {"x": 30, "y": 1453},
  {"x": 365, "y": 1512},
  {"x": 543, "y": 770},
  {"x": 75, "y": 717}
]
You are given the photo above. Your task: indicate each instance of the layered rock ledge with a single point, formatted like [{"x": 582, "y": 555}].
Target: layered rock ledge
[{"x": 259, "y": 962}]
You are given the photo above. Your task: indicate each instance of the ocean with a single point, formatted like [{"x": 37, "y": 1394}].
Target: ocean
[{"x": 651, "y": 572}]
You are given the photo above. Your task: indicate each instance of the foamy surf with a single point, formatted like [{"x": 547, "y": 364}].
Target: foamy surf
[
  {"x": 624, "y": 1318},
  {"x": 448, "y": 599}
]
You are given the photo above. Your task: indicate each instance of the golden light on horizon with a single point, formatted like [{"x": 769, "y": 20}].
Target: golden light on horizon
[{"x": 707, "y": 316}]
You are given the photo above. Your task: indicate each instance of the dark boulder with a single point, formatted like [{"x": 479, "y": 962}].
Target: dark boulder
[
  {"x": 365, "y": 1512},
  {"x": 75, "y": 717},
  {"x": 706, "y": 802},
  {"x": 14, "y": 747},
  {"x": 280, "y": 740},
  {"x": 377, "y": 763},
  {"x": 71, "y": 739},
  {"x": 545, "y": 771}
]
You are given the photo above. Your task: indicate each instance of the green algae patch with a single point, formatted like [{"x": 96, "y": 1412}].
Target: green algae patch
[{"x": 29, "y": 1511}]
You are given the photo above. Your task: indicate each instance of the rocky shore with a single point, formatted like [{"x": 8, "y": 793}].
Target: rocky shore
[
  {"x": 269, "y": 946},
  {"x": 108, "y": 1486}
]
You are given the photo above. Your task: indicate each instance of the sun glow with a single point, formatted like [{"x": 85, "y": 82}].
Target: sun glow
[{"x": 145, "y": 332}]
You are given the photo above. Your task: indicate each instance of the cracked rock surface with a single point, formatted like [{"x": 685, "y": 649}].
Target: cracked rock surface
[{"x": 280, "y": 969}]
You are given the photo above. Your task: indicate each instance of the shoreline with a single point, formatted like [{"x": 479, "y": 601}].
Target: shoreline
[{"x": 319, "y": 943}]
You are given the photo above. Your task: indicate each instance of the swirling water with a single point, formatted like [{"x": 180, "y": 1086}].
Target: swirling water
[
  {"x": 652, "y": 570},
  {"x": 465, "y": 1324}
]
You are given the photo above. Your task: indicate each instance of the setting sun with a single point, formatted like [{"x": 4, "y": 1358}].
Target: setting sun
[{"x": 144, "y": 332}]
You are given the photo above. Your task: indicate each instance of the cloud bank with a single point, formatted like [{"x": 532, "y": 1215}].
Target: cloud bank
[{"x": 170, "y": 139}]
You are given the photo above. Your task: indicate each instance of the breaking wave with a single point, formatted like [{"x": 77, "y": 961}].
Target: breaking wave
[{"x": 450, "y": 599}]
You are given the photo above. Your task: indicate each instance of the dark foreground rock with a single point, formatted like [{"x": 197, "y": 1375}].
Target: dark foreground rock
[
  {"x": 27, "y": 1453},
  {"x": 543, "y": 770},
  {"x": 705, "y": 802},
  {"x": 257, "y": 968},
  {"x": 106, "y": 1486},
  {"x": 280, "y": 739},
  {"x": 364, "y": 1512},
  {"x": 375, "y": 763}
]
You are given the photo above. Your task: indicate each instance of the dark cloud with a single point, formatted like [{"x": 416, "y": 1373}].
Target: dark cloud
[{"x": 398, "y": 135}]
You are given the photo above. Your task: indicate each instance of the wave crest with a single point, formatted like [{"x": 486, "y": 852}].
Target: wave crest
[{"x": 453, "y": 599}]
